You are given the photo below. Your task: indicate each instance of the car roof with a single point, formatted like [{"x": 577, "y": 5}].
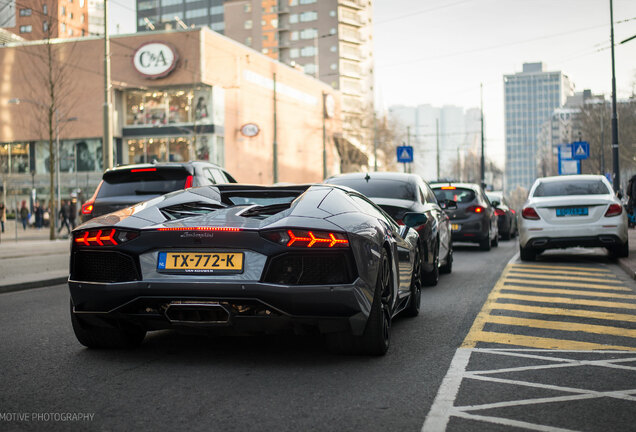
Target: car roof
[
  {"x": 377, "y": 175},
  {"x": 571, "y": 177},
  {"x": 163, "y": 165}
]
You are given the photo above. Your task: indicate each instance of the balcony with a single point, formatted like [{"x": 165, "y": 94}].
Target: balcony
[{"x": 353, "y": 4}]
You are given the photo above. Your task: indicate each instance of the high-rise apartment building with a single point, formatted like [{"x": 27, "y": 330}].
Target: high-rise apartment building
[
  {"x": 45, "y": 19},
  {"x": 329, "y": 39},
  {"x": 95, "y": 17},
  {"x": 170, "y": 14},
  {"x": 530, "y": 98}
]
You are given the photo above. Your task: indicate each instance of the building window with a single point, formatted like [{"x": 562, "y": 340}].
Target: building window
[
  {"x": 25, "y": 12},
  {"x": 308, "y": 51},
  {"x": 293, "y": 18},
  {"x": 45, "y": 9},
  {"x": 308, "y": 16},
  {"x": 248, "y": 41},
  {"x": 247, "y": 7},
  {"x": 310, "y": 68},
  {"x": 45, "y": 26},
  {"x": 63, "y": 27},
  {"x": 218, "y": 26},
  {"x": 82, "y": 3},
  {"x": 309, "y": 33},
  {"x": 332, "y": 13},
  {"x": 294, "y": 53},
  {"x": 70, "y": 31},
  {"x": 193, "y": 13},
  {"x": 294, "y": 36},
  {"x": 145, "y": 5},
  {"x": 83, "y": 18},
  {"x": 216, "y": 10},
  {"x": 26, "y": 29},
  {"x": 265, "y": 51},
  {"x": 170, "y": 2},
  {"x": 303, "y": 2},
  {"x": 71, "y": 15},
  {"x": 247, "y": 24},
  {"x": 63, "y": 12}
]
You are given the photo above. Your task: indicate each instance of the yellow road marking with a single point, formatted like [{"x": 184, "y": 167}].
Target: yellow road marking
[
  {"x": 536, "y": 342},
  {"x": 566, "y": 284},
  {"x": 560, "y": 272},
  {"x": 562, "y": 325},
  {"x": 569, "y": 300},
  {"x": 517, "y": 273},
  {"x": 567, "y": 312},
  {"x": 569, "y": 291},
  {"x": 557, "y": 267}
]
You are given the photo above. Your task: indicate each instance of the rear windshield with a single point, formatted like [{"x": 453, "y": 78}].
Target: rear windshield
[
  {"x": 571, "y": 187},
  {"x": 377, "y": 188},
  {"x": 157, "y": 182},
  {"x": 459, "y": 195}
]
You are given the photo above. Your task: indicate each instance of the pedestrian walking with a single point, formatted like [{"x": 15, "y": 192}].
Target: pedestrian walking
[
  {"x": 24, "y": 215},
  {"x": 3, "y": 215},
  {"x": 72, "y": 212},
  {"x": 39, "y": 215},
  {"x": 65, "y": 217}
]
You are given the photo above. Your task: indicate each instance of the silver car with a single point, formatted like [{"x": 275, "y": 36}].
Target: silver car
[{"x": 569, "y": 211}]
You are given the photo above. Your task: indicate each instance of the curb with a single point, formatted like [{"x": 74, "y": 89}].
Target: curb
[
  {"x": 21, "y": 286},
  {"x": 631, "y": 272}
]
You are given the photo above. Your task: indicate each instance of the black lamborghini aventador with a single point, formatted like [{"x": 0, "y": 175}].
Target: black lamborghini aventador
[{"x": 306, "y": 258}]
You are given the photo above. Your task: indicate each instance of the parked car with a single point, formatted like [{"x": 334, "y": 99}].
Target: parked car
[
  {"x": 506, "y": 216},
  {"x": 126, "y": 185},
  {"x": 474, "y": 220},
  {"x": 399, "y": 194},
  {"x": 246, "y": 258},
  {"x": 569, "y": 211}
]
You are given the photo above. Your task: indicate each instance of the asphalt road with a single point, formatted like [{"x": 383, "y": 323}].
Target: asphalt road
[{"x": 186, "y": 382}]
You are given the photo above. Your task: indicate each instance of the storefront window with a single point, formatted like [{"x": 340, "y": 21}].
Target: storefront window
[
  {"x": 179, "y": 101},
  {"x": 175, "y": 149},
  {"x": 14, "y": 158},
  {"x": 179, "y": 149},
  {"x": 172, "y": 106}
]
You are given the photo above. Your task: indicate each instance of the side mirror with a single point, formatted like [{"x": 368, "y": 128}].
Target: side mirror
[
  {"x": 448, "y": 205},
  {"x": 414, "y": 219},
  {"x": 495, "y": 203},
  {"x": 619, "y": 195}
]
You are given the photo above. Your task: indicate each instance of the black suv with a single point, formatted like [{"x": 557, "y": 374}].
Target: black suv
[
  {"x": 474, "y": 220},
  {"x": 127, "y": 185}
]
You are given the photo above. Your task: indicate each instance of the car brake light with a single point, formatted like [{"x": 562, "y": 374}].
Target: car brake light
[
  {"x": 530, "y": 213},
  {"x": 499, "y": 212},
  {"x": 103, "y": 237},
  {"x": 143, "y": 170},
  {"x": 614, "y": 210},
  {"x": 188, "y": 183},
  {"x": 475, "y": 209},
  {"x": 513, "y": 211},
  {"x": 87, "y": 207},
  {"x": 201, "y": 228},
  {"x": 307, "y": 239},
  {"x": 448, "y": 188}
]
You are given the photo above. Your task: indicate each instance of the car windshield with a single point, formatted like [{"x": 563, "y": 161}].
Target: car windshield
[
  {"x": 459, "y": 195},
  {"x": 571, "y": 187},
  {"x": 157, "y": 182},
  {"x": 380, "y": 188}
]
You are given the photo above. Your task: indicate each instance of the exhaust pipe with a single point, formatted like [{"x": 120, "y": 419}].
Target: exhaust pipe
[
  {"x": 539, "y": 242},
  {"x": 197, "y": 312}
]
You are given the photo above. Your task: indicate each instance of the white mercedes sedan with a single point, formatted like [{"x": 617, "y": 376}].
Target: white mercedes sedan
[{"x": 570, "y": 211}]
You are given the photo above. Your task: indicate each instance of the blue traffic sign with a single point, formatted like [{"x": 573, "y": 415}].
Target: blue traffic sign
[
  {"x": 405, "y": 154},
  {"x": 580, "y": 150}
]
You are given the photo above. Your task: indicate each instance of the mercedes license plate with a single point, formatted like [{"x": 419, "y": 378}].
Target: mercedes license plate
[
  {"x": 571, "y": 211},
  {"x": 455, "y": 227}
]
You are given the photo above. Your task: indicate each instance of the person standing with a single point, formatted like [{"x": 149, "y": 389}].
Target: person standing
[
  {"x": 72, "y": 212},
  {"x": 64, "y": 217},
  {"x": 3, "y": 215},
  {"x": 39, "y": 215},
  {"x": 24, "y": 215}
]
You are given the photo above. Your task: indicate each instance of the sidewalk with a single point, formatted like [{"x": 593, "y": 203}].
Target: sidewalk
[
  {"x": 33, "y": 260},
  {"x": 629, "y": 264}
]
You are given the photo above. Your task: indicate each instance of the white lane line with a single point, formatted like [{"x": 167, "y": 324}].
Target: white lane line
[
  {"x": 511, "y": 423},
  {"x": 439, "y": 415}
]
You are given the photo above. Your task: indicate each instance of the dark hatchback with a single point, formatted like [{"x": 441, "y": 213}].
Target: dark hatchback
[
  {"x": 506, "y": 216},
  {"x": 474, "y": 220},
  {"x": 399, "y": 194},
  {"x": 126, "y": 185}
]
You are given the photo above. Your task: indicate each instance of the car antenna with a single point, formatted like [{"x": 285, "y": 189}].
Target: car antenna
[{"x": 367, "y": 177}]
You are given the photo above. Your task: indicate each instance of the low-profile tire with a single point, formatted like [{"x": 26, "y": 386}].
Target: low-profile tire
[
  {"x": 413, "y": 309},
  {"x": 124, "y": 336},
  {"x": 377, "y": 334},
  {"x": 448, "y": 267},
  {"x": 495, "y": 241},
  {"x": 485, "y": 244},
  {"x": 507, "y": 235},
  {"x": 431, "y": 278},
  {"x": 621, "y": 251},
  {"x": 527, "y": 253}
]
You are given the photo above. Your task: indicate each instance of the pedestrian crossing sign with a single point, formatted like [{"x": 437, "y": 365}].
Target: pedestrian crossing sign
[
  {"x": 405, "y": 154},
  {"x": 580, "y": 150}
]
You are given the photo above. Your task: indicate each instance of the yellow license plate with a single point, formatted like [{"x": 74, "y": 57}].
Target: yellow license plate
[
  {"x": 455, "y": 227},
  {"x": 200, "y": 262}
]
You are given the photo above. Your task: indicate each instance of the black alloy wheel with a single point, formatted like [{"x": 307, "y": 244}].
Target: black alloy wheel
[
  {"x": 448, "y": 267},
  {"x": 485, "y": 244},
  {"x": 431, "y": 278}
]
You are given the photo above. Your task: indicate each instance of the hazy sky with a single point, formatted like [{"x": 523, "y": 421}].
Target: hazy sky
[{"x": 438, "y": 51}]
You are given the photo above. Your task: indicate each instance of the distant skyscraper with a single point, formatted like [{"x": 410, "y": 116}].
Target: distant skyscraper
[
  {"x": 96, "y": 17},
  {"x": 530, "y": 98},
  {"x": 160, "y": 14}
]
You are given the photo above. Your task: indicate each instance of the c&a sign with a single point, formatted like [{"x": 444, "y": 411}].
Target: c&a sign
[{"x": 155, "y": 59}]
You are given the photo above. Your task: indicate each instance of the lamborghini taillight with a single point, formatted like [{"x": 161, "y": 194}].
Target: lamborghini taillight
[
  {"x": 315, "y": 239},
  {"x": 103, "y": 237}
]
